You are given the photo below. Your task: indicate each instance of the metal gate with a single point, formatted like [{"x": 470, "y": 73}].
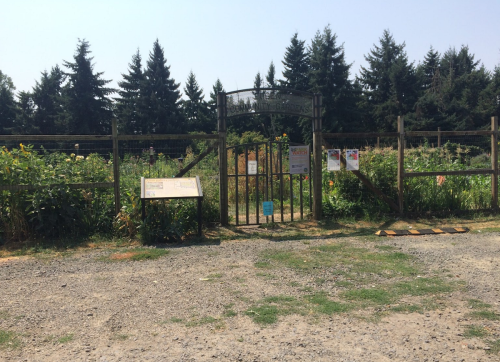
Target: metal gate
[{"x": 259, "y": 172}]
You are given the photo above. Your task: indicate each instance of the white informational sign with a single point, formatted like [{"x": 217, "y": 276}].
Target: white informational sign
[
  {"x": 158, "y": 188},
  {"x": 252, "y": 168},
  {"x": 352, "y": 160},
  {"x": 299, "y": 159},
  {"x": 333, "y": 160}
]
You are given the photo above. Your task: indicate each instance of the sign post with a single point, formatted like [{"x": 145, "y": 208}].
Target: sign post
[{"x": 172, "y": 188}]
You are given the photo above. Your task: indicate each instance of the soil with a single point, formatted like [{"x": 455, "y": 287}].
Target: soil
[{"x": 81, "y": 308}]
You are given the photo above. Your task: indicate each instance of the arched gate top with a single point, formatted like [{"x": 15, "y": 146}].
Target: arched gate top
[{"x": 269, "y": 100}]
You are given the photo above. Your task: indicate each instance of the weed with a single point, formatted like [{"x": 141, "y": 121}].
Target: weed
[
  {"x": 65, "y": 339},
  {"x": 472, "y": 331},
  {"x": 138, "y": 254},
  {"x": 9, "y": 340},
  {"x": 478, "y": 304},
  {"x": 494, "y": 346},
  {"x": 485, "y": 314}
]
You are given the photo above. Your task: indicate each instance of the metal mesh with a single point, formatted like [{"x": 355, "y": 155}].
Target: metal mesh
[{"x": 268, "y": 101}]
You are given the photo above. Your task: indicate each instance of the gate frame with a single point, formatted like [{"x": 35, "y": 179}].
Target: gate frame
[{"x": 316, "y": 118}]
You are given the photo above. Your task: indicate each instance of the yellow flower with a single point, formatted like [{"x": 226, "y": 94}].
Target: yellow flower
[
  {"x": 8, "y": 170},
  {"x": 284, "y": 134},
  {"x": 22, "y": 148},
  {"x": 79, "y": 158},
  {"x": 72, "y": 155},
  {"x": 68, "y": 160}
]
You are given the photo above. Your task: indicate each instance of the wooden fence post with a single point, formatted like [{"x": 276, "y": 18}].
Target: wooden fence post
[
  {"x": 494, "y": 163},
  {"x": 317, "y": 158},
  {"x": 223, "y": 183},
  {"x": 439, "y": 137},
  {"x": 116, "y": 166},
  {"x": 401, "y": 162}
]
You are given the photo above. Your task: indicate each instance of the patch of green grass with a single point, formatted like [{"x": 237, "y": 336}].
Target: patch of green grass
[
  {"x": 324, "y": 305},
  {"x": 4, "y": 314},
  {"x": 485, "y": 314},
  {"x": 269, "y": 309},
  {"x": 137, "y": 254},
  {"x": 214, "y": 276},
  {"x": 120, "y": 337},
  {"x": 385, "y": 247},
  {"x": 9, "y": 340},
  {"x": 65, "y": 339},
  {"x": 149, "y": 254},
  {"x": 407, "y": 308},
  {"x": 262, "y": 265},
  {"x": 494, "y": 346},
  {"x": 343, "y": 284},
  {"x": 472, "y": 331},
  {"x": 267, "y": 276},
  {"x": 422, "y": 286},
  {"x": 478, "y": 304},
  {"x": 201, "y": 321},
  {"x": 375, "y": 296},
  {"x": 176, "y": 320},
  {"x": 229, "y": 313}
]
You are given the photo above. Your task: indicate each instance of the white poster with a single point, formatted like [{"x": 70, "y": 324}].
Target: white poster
[
  {"x": 252, "y": 167},
  {"x": 352, "y": 160},
  {"x": 333, "y": 160},
  {"x": 299, "y": 159}
]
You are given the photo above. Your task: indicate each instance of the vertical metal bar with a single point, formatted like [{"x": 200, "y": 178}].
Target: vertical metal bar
[
  {"x": 271, "y": 154},
  {"x": 257, "y": 183},
  {"x": 291, "y": 196},
  {"x": 494, "y": 163},
  {"x": 310, "y": 185},
  {"x": 280, "y": 160},
  {"x": 247, "y": 198},
  {"x": 223, "y": 182},
  {"x": 266, "y": 172},
  {"x": 236, "y": 185},
  {"x": 401, "y": 162},
  {"x": 301, "y": 194},
  {"x": 116, "y": 167},
  {"x": 318, "y": 158},
  {"x": 439, "y": 137}
]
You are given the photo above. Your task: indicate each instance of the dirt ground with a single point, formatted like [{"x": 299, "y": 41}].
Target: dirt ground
[{"x": 78, "y": 307}]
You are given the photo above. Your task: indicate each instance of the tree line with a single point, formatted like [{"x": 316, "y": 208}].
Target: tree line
[{"x": 451, "y": 90}]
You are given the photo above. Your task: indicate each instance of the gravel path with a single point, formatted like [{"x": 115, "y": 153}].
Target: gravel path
[{"x": 80, "y": 308}]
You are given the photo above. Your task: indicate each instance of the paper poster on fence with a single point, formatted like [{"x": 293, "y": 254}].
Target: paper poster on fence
[
  {"x": 352, "y": 160},
  {"x": 299, "y": 159},
  {"x": 333, "y": 163},
  {"x": 252, "y": 168}
]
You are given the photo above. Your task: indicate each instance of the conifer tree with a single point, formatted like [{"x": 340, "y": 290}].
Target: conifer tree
[
  {"x": 212, "y": 103},
  {"x": 389, "y": 85},
  {"x": 329, "y": 75},
  {"x": 161, "y": 95},
  {"x": 7, "y": 104},
  {"x": 49, "y": 102},
  {"x": 89, "y": 109},
  {"x": 296, "y": 66},
  {"x": 195, "y": 108},
  {"x": 271, "y": 82},
  {"x": 130, "y": 105},
  {"x": 24, "y": 123}
]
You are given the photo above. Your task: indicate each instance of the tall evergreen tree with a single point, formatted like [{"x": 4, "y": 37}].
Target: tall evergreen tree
[
  {"x": 195, "y": 108},
  {"x": 329, "y": 75},
  {"x": 88, "y": 106},
  {"x": 389, "y": 84},
  {"x": 130, "y": 105},
  {"x": 212, "y": 103},
  {"x": 428, "y": 72},
  {"x": 162, "y": 96},
  {"x": 296, "y": 65},
  {"x": 49, "y": 102},
  {"x": 270, "y": 77},
  {"x": 7, "y": 104},
  {"x": 24, "y": 123}
]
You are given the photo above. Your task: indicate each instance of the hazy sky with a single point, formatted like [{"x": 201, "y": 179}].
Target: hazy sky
[{"x": 231, "y": 40}]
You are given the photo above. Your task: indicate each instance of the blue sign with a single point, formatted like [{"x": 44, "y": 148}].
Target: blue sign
[{"x": 267, "y": 206}]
